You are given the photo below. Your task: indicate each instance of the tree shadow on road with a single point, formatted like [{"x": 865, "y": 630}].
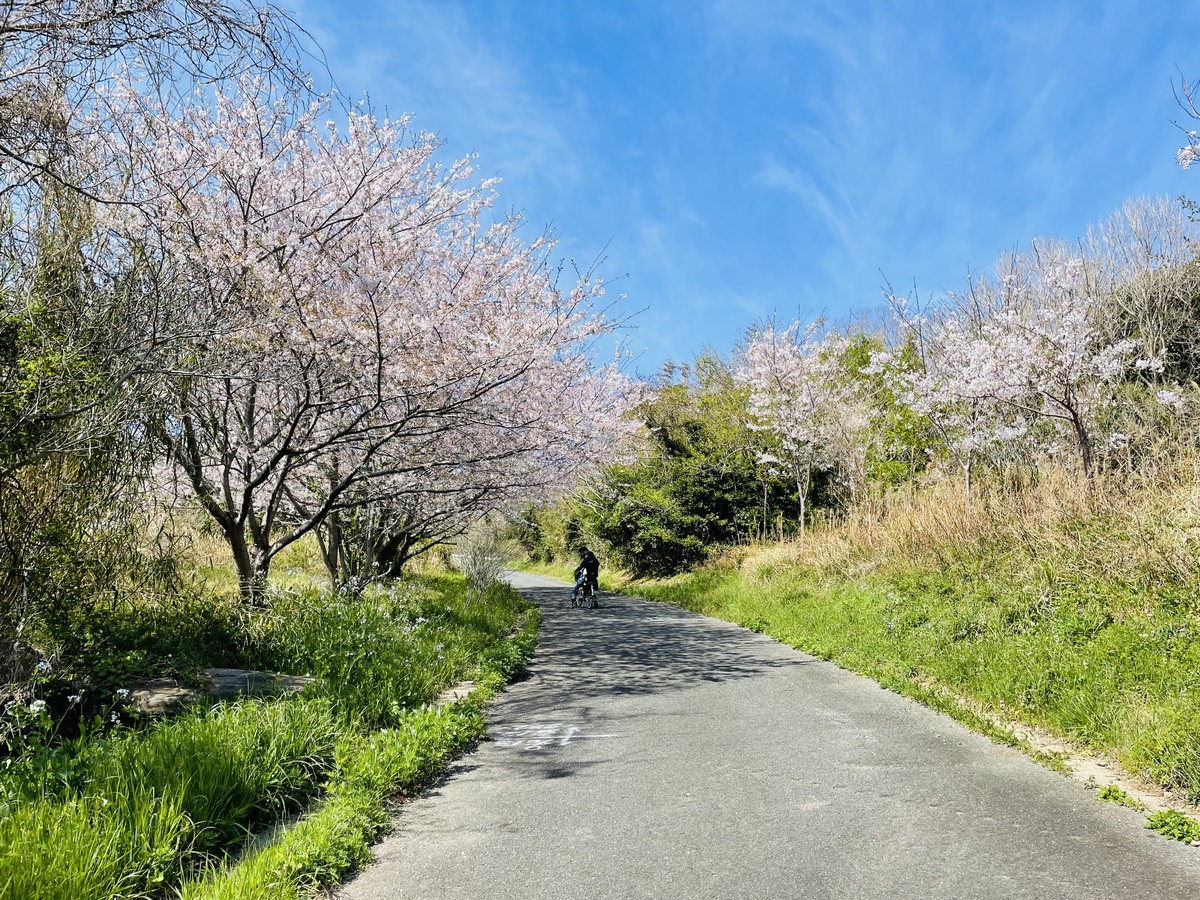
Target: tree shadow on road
[{"x": 633, "y": 647}]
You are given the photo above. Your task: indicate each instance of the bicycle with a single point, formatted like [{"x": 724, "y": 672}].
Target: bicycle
[{"x": 585, "y": 596}]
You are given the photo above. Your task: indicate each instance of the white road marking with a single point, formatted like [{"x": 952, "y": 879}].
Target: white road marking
[{"x": 539, "y": 735}]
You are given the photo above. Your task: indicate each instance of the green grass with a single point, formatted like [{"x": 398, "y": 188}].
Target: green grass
[
  {"x": 335, "y": 838},
  {"x": 380, "y": 653},
  {"x": 155, "y": 811},
  {"x": 151, "y": 805}
]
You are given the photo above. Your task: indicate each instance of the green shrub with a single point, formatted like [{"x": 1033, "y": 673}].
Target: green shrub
[{"x": 176, "y": 635}]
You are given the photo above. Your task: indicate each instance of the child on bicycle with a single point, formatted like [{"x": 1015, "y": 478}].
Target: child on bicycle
[{"x": 588, "y": 571}]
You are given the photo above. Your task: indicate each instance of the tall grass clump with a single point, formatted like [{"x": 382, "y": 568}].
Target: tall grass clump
[
  {"x": 149, "y": 806},
  {"x": 335, "y": 838},
  {"x": 387, "y": 650}
]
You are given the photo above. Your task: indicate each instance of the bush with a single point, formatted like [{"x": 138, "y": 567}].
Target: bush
[{"x": 387, "y": 650}]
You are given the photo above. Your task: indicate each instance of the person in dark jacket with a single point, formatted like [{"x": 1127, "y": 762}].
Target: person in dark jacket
[{"x": 587, "y": 571}]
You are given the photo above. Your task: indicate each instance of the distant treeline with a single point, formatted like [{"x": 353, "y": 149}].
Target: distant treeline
[{"x": 1083, "y": 355}]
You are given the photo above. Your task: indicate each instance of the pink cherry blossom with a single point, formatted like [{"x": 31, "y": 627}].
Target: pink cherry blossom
[{"x": 370, "y": 339}]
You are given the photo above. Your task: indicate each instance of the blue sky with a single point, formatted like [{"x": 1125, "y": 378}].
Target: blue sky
[{"x": 747, "y": 158}]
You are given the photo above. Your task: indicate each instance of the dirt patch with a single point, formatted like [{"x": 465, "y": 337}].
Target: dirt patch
[{"x": 166, "y": 696}]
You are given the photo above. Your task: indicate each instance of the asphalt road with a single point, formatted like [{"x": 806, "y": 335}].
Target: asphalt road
[{"x": 654, "y": 753}]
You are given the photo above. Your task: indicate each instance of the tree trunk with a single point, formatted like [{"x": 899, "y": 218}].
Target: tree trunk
[
  {"x": 803, "y": 476},
  {"x": 394, "y": 553},
  {"x": 763, "y": 535},
  {"x": 329, "y": 539},
  {"x": 1084, "y": 442},
  {"x": 252, "y": 565}
]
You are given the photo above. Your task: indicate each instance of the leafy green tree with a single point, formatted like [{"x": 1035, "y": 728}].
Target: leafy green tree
[
  {"x": 705, "y": 477},
  {"x": 71, "y": 454},
  {"x": 897, "y": 441}
]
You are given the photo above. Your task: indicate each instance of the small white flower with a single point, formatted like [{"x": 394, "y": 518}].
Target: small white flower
[
  {"x": 74, "y": 698},
  {"x": 114, "y": 718},
  {"x": 122, "y": 693},
  {"x": 1170, "y": 398},
  {"x": 37, "y": 706},
  {"x": 44, "y": 668}
]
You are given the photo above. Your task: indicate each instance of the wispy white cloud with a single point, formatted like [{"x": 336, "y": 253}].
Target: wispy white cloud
[
  {"x": 433, "y": 60},
  {"x": 836, "y": 212},
  {"x": 746, "y": 156}
]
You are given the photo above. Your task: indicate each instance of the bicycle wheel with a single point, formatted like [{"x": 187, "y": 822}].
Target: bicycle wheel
[{"x": 591, "y": 597}]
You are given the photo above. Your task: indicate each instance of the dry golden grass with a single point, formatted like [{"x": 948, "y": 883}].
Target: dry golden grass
[{"x": 1147, "y": 521}]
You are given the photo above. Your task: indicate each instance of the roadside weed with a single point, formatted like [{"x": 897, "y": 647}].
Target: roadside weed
[
  {"x": 1175, "y": 825},
  {"x": 1110, "y": 793}
]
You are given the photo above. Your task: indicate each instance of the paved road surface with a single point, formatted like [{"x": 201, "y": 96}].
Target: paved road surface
[{"x": 653, "y": 753}]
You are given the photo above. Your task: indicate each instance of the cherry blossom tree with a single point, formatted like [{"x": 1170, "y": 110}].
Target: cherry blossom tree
[
  {"x": 797, "y": 391},
  {"x": 58, "y": 161},
  {"x": 1032, "y": 352},
  {"x": 368, "y": 327},
  {"x": 534, "y": 438},
  {"x": 948, "y": 342},
  {"x": 1186, "y": 95},
  {"x": 1045, "y": 338},
  {"x": 56, "y": 53}
]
